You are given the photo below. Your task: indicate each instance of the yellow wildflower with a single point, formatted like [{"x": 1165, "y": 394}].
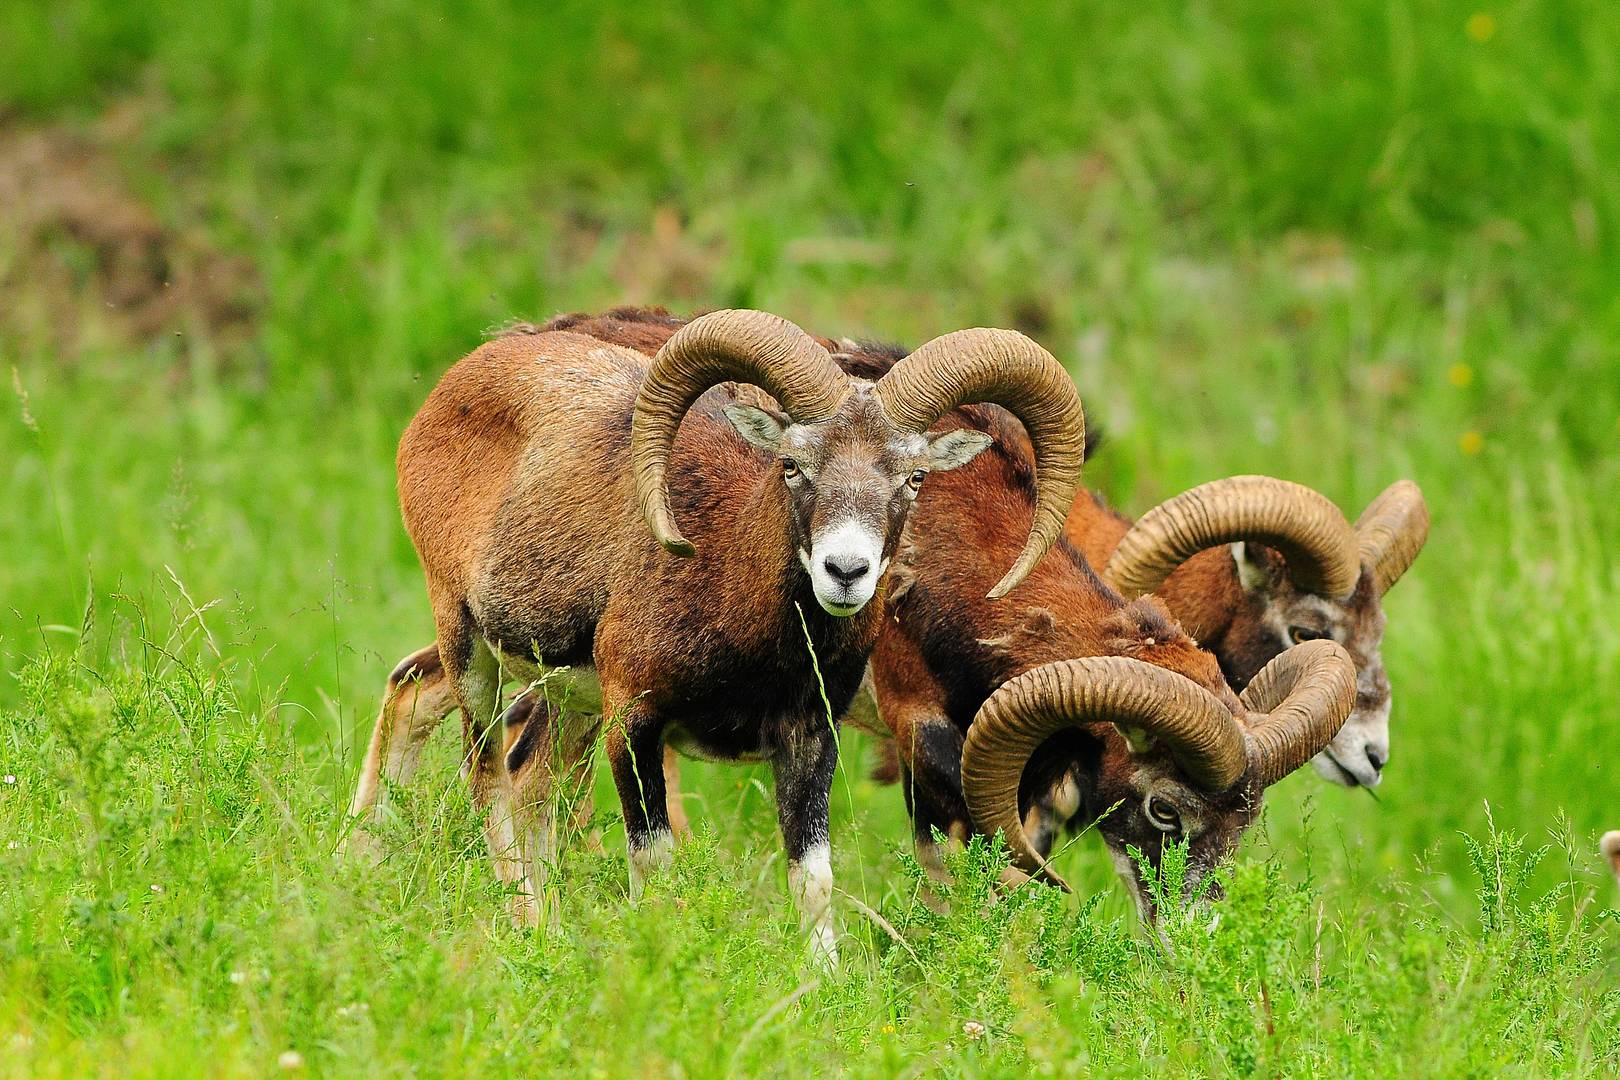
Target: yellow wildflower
[{"x": 1481, "y": 26}]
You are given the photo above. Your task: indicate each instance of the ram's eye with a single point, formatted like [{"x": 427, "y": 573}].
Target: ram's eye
[
  {"x": 1297, "y": 634},
  {"x": 1163, "y": 815},
  {"x": 790, "y": 468},
  {"x": 916, "y": 478}
]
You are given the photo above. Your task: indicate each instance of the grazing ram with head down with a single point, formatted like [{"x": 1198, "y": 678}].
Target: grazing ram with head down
[
  {"x": 1251, "y": 565},
  {"x": 530, "y": 479},
  {"x": 948, "y": 650},
  {"x": 1066, "y": 687}
]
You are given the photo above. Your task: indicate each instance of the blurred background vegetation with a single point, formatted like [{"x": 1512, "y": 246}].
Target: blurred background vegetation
[{"x": 1341, "y": 243}]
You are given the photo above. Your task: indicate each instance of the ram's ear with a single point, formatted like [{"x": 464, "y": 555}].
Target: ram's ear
[
  {"x": 759, "y": 427},
  {"x": 953, "y": 449},
  {"x": 1255, "y": 571}
]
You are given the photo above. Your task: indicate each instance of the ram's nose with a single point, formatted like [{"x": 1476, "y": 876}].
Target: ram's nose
[{"x": 847, "y": 570}]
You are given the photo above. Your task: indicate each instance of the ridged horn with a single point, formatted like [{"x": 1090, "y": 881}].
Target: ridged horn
[
  {"x": 1391, "y": 532},
  {"x": 742, "y": 346},
  {"x": 1296, "y": 705},
  {"x": 1000, "y": 367},
  {"x": 1200, "y": 732},
  {"x": 1304, "y": 525}
]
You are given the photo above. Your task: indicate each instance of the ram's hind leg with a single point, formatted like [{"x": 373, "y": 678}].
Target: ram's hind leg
[
  {"x": 1050, "y": 811},
  {"x": 576, "y": 776},
  {"x": 475, "y": 673},
  {"x": 418, "y": 698},
  {"x": 550, "y": 756},
  {"x": 930, "y": 752},
  {"x": 911, "y": 707},
  {"x": 679, "y": 826},
  {"x": 531, "y": 725}
]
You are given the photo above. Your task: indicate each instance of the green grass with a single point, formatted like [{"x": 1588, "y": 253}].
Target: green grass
[{"x": 1339, "y": 243}]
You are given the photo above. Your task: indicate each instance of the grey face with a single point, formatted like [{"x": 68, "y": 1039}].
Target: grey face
[
  {"x": 1282, "y": 616},
  {"x": 1153, "y": 806},
  {"x": 851, "y": 481}
]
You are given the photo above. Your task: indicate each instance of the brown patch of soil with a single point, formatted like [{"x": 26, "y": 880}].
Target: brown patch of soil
[
  {"x": 83, "y": 258},
  {"x": 667, "y": 262}
]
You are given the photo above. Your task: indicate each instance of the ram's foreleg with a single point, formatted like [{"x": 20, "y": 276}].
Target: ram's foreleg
[
  {"x": 804, "y": 775},
  {"x": 635, "y": 749}
]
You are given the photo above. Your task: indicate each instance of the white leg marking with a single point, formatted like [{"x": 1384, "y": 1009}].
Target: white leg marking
[
  {"x": 810, "y": 883},
  {"x": 540, "y": 856},
  {"x": 506, "y": 850},
  {"x": 931, "y": 857},
  {"x": 480, "y": 688},
  {"x": 654, "y": 855}
]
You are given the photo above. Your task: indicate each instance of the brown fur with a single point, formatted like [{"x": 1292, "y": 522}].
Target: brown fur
[
  {"x": 946, "y": 647},
  {"x": 516, "y": 490},
  {"x": 1246, "y": 624}
]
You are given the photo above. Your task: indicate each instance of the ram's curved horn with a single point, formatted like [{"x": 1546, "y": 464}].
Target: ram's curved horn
[
  {"x": 1391, "y": 532},
  {"x": 1200, "y": 733},
  {"x": 1000, "y": 367},
  {"x": 1304, "y": 525},
  {"x": 1296, "y": 705},
  {"x": 743, "y": 346}
]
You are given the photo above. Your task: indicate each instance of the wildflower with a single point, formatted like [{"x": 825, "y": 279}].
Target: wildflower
[
  {"x": 156, "y": 887},
  {"x": 1459, "y": 375},
  {"x": 356, "y": 1008},
  {"x": 238, "y": 978},
  {"x": 1471, "y": 442},
  {"x": 9, "y": 778},
  {"x": 888, "y": 1029},
  {"x": 12, "y": 845},
  {"x": 973, "y": 1030},
  {"x": 1481, "y": 27},
  {"x": 290, "y": 1060}
]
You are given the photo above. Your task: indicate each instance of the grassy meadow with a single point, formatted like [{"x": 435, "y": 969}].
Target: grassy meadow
[{"x": 1339, "y": 243}]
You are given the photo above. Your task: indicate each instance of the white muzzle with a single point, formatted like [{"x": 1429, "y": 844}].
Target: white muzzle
[{"x": 844, "y": 563}]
